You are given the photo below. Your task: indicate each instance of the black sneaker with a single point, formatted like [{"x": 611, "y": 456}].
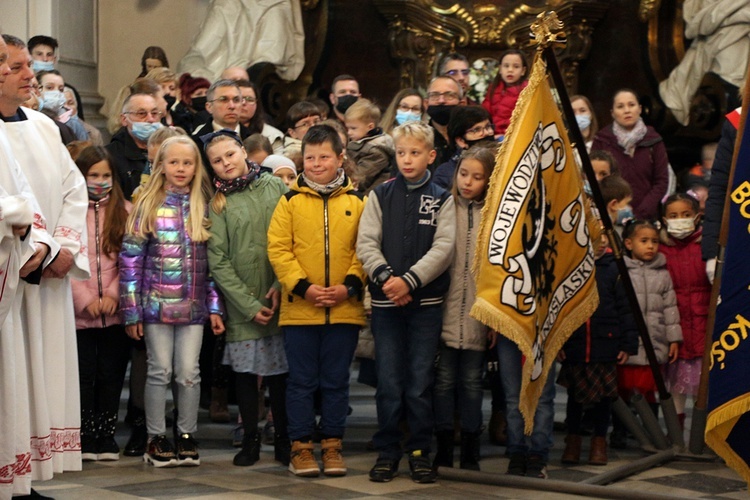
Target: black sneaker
[
  {"x": 517, "y": 465},
  {"x": 107, "y": 449},
  {"x": 421, "y": 469},
  {"x": 160, "y": 452},
  {"x": 187, "y": 450},
  {"x": 384, "y": 470},
  {"x": 536, "y": 467},
  {"x": 88, "y": 448}
]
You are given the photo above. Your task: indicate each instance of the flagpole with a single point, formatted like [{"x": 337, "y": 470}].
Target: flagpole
[
  {"x": 700, "y": 407},
  {"x": 667, "y": 403}
]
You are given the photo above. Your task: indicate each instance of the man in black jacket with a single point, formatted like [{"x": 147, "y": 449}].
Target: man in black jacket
[{"x": 139, "y": 119}]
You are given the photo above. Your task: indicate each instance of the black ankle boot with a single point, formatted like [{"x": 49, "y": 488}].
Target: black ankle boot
[
  {"x": 444, "y": 455},
  {"x": 470, "y": 450},
  {"x": 250, "y": 452},
  {"x": 136, "y": 445},
  {"x": 282, "y": 448}
]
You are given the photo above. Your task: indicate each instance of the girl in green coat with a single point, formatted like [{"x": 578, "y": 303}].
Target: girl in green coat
[{"x": 240, "y": 214}]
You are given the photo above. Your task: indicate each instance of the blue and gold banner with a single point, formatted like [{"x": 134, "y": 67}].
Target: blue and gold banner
[
  {"x": 728, "y": 424},
  {"x": 534, "y": 263}
]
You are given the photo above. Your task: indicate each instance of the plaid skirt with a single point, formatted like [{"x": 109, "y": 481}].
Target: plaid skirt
[{"x": 589, "y": 382}]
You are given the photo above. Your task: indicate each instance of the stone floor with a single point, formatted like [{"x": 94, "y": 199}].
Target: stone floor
[{"x": 217, "y": 478}]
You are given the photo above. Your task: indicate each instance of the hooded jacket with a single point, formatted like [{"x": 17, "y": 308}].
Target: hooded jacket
[
  {"x": 658, "y": 302},
  {"x": 311, "y": 241}
]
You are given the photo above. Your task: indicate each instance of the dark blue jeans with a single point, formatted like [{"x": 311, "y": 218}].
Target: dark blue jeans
[
  {"x": 319, "y": 357},
  {"x": 406, "y": 343},
  {"x": 510, "y": 375},
  {"x": 459, "y": 375}
]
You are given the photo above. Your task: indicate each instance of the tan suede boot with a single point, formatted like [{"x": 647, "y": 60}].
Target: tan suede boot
[
  {"x": 302, "y": 462},
  {"x": 333, "y": 462}
]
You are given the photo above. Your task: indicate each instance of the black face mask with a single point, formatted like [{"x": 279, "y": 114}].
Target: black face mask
[
  {"x": 440, "y": 113},
  {"x": 170, "y": 101},
  {"x": 345, "y": 102},
  {"x": 199, "y": 103}
]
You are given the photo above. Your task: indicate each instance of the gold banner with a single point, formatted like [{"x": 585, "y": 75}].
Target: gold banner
[{"x": 534, "y": 264}]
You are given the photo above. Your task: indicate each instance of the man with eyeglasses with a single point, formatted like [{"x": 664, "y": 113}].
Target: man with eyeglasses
[
  {"x": 469, "y": 126},
  {"x": 456, "y": 66},
  {"x": 443, "y": 95},
  {"x": 224, "y": 103},
  {"x": 140, "y": 117}
]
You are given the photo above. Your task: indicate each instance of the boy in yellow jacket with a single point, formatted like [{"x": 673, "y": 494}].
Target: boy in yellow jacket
[{"x": 311, "y": 246}]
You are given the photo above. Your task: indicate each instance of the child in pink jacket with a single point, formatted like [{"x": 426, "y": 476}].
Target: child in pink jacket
[{"x": 103, "y": 347}]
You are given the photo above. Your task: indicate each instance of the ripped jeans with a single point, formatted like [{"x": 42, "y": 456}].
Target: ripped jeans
[{"x": 172, "y": 349}]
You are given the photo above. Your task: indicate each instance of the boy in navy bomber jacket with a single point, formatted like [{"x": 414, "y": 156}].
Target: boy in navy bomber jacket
[{"x": 405, "y": 242}]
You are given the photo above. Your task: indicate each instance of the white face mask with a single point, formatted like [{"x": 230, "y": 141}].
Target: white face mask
[{"x": 680, "y": 228}]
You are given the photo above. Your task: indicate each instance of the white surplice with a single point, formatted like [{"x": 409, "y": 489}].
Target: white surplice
[
  {"x": 17, "y": 207},
  {"x": 47, "y": 309}
]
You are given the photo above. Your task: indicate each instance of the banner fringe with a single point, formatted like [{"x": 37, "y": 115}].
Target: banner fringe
[{"x": 719, "y": 424}]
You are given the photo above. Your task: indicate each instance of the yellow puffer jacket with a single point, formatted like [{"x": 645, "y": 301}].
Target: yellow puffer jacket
[{"x": 314, "y": 238}]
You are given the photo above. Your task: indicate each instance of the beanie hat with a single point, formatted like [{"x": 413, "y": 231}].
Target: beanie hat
[{"x": 277, "y": 162}]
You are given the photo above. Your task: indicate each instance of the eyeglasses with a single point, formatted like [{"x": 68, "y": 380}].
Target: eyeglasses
[
  {"x": 455, "y": 72},
  {"x": 250, "y": 100},
  {"x": 447, "y": 96},
  {"x": 308, "y": 124},
  {"x": 405, "y": 107},
  {"x": 226, "y": 99},
  {"x": 142, "y": 114},
  {"x": 481, "y": 128}
]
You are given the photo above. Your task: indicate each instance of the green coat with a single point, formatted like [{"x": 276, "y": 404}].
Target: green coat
[{"x": 238, "y": 256}]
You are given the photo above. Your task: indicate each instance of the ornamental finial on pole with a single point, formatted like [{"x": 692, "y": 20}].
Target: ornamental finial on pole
[{"x": 547, "y": 29}]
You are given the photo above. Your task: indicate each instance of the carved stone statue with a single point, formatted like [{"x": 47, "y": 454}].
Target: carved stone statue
[
  {"x": 720, "y": 30},
  {"x": 246, "y": 32}
]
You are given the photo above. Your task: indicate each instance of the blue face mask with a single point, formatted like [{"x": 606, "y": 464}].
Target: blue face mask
[
  {"x": 54, "y": 100},
  {"x": 407, "y": 116},
  {"x": 624, "y": 215},
  {"x": 584, "y": 121},
  {"x": 38, "y": 66},
  {"x": 143, "y": 130}
]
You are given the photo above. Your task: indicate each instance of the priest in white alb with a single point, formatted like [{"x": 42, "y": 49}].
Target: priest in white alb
[{"x": 47, "y": 307}]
